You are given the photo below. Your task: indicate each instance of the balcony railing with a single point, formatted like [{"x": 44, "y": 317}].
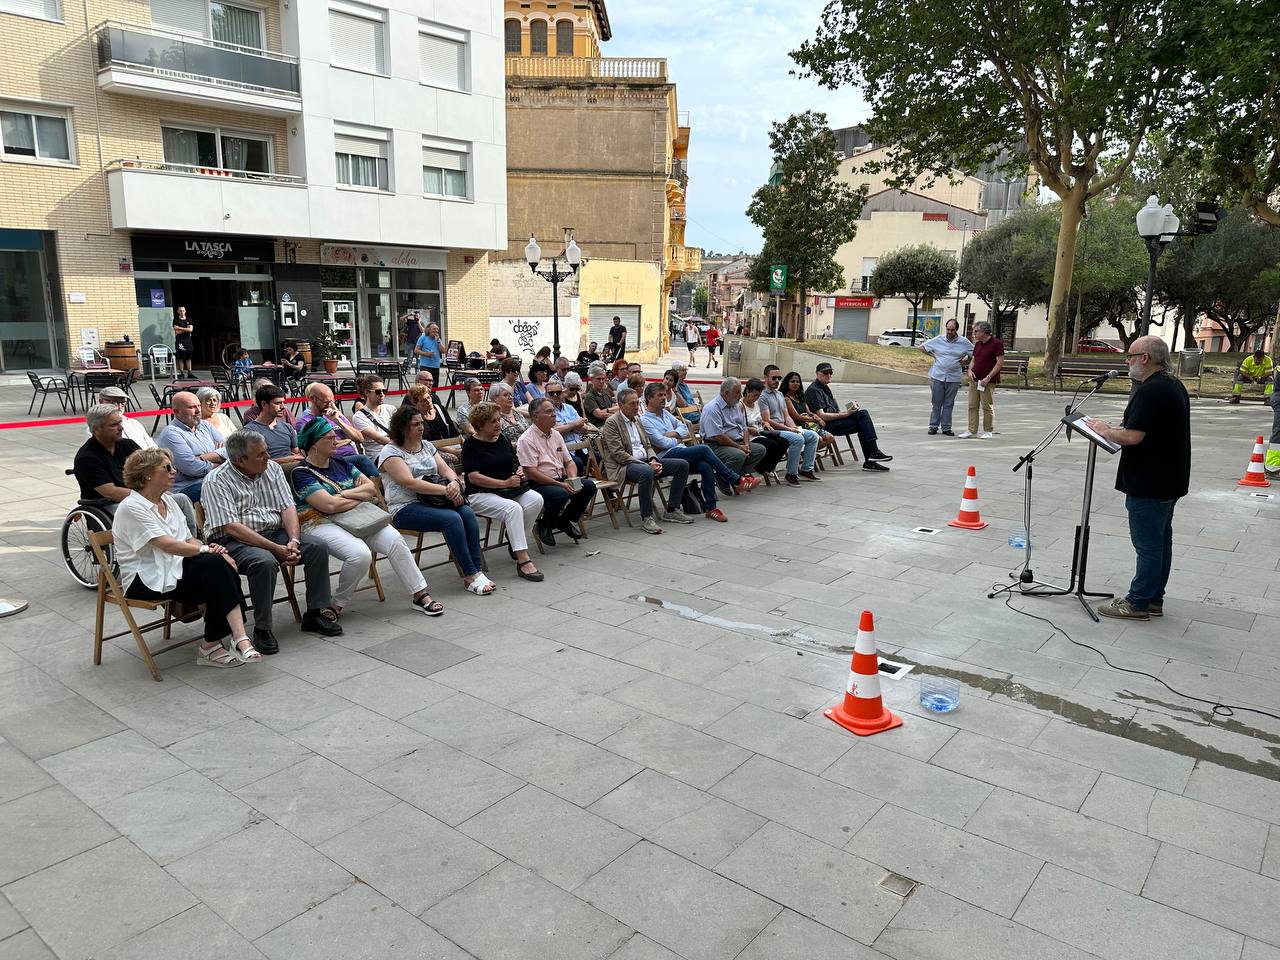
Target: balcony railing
[
  {"x": 588, "y": 68},
  {"x": 201, "y": 60},
  {"x": 682, "y": 259},
  {"x": 678, "y": 170},
  {"x": 193, "y": 170}
]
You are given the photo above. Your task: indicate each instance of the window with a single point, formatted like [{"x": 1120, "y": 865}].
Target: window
[
  {"x": 538, "y": 38},
  {"x": 442, "y": 56},
  {"x": 511, "y": 32},
  {"x": 361, "y": 157},
  {"x": 444, "y": 168},
  {"x": 39, "y": 134},
  {"x": 184, "y": 16},
  {"x": 239, "y": 25},
  {"x": 41, "y": 9},
  {"x": 358, "y": 37},
  {"x": 216, "y": 148},
  {"x": 564, "y": 38}
]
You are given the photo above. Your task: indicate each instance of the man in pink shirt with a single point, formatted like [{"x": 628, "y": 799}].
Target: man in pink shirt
[{"x": 551, "y": 472}]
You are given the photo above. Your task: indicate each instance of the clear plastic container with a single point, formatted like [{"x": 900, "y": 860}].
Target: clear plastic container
[
  {"x": 939, "y": 694},
  {"x": 1018, "y": 537}
]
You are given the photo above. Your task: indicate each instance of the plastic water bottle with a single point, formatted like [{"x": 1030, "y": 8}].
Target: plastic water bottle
[
  {"x": 1018, "y": 537},
  {"x": 939, "y": 694}
]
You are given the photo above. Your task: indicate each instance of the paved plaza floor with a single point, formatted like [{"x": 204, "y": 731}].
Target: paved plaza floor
[{"x": 630, "y": 760}]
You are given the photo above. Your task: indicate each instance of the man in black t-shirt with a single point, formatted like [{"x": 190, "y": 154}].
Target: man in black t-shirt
[
  {"x": 618, "y": 337},
  {"x": 1154, "y": 471},
  {"x": 99, "y": 463}
]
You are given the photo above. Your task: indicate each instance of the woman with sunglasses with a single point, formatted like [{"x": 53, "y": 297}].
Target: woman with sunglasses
[
  {"x": 798, "y": 410},
  {"x": 373, "y": 418},
  {"x": 160, "y": 560}
]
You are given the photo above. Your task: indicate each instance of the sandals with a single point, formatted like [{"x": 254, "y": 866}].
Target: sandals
[
  {"x": 424, "y": 604},
  {"x": 536, "y": 576},
  {"x": 218, "y": 656},
  {"x": 481, "y": 586},
  {"x": 331, "y": 613},
  {"x": 249, "y": 654}
]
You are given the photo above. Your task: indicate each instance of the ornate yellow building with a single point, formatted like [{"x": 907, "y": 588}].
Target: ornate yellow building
[{"x": 596, "y": 145}]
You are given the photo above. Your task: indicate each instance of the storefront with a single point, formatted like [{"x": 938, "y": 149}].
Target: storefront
[
  {"x": 853, "y": 316},
  {"x": 377, "y": 299},
  {"x": 225, "y": 283},
  {"x": 33, "y": 332}
]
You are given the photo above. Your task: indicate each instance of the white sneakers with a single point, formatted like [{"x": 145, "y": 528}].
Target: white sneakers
[
  {"x": 965, "y": 436},
  {"x": 969, "y": 436},
  {"x": 987, "y": 436}
]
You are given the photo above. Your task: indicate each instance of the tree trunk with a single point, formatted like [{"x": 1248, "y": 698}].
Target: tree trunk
[
  {"x": 1064, "y": 264},
  {"x": 803, "y": 321},
  {"x": 915, "y": 320}
]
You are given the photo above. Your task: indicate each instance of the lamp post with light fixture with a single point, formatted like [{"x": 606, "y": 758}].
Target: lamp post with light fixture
[
  {"x": 572, "y": 257},
  {"x": 1157, "y": 226}
]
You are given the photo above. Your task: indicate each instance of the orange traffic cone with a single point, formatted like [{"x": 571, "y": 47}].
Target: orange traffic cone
[
  {"x": 969, "y": 517},
  {"x": 1254, "y": 474},
  {"x": 863, "y": 711}
]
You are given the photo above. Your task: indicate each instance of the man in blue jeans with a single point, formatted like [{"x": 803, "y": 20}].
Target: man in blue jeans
[{"x": 1154, "y": 471}]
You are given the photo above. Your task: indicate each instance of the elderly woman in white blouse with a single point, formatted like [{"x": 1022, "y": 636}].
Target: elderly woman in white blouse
[
  {"x": 160, "y": 560},
  {"x": 211, "y": 412}
]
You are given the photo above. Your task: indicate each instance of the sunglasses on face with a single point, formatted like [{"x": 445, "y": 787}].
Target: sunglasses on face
[
  {"x": 380, "y": 392},
  {"x": 169, "y": 468},
  {"x": 555, "y": 393}
]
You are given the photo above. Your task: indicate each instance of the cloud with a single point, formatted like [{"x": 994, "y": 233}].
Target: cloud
[{"x": 731, "y": 68}]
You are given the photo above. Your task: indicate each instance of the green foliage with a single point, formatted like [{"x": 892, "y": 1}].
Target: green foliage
[
  {"x": 326, "y": 345},
  {"x": 805, "y": 212},
  {"x": 916, "y": 274},
  {"x": 700, "y": 300},
  {"x": 1011, "y": 264}
]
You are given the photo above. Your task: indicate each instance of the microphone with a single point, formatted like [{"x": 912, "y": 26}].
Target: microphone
[{"x": 1102, "y": 378}]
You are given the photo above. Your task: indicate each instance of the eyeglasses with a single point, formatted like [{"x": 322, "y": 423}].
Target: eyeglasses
[
  {"x": 380, "y": 392},
  {"x": 555, "y": 393},
  {"x": 774, "y": 379},
  {"x": 1140, "y": 354},
  {"x": 169, "y": 467}
]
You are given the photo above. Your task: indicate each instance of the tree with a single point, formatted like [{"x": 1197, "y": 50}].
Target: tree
[
  {"x": 805, "y": 213},
  {"x": 1001, "y": 265},
  {"x": 916, "y": 274},
  {"x": 700, "y": 300},
  {"x": 1069, "y": 84}
]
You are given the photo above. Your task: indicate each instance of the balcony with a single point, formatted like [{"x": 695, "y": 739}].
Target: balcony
[
  {"x": 678, "y": 170},
  {"x": 682, "y": 259},
  {"x": 172, "y": 196},
  {"x": 682, "y": 134},
  {"x": 647, "y": 69},
  {"x": 148, "y": 62}
]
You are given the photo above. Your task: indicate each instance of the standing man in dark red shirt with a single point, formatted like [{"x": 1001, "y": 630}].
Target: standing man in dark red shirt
[{"x": 984, "y": 374}]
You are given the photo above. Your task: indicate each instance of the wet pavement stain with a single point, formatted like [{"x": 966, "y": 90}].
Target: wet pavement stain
[{"x": 1160, "y": 735}]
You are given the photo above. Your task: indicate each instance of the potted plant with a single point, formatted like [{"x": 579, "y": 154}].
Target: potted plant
[{"x": 329, "y": 349}]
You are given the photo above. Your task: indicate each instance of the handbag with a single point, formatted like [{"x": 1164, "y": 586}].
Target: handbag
[
  {"x": 513, "y": 493},
  {"x": 438, "y": 500},
  {"x": 362, "y": 521}
]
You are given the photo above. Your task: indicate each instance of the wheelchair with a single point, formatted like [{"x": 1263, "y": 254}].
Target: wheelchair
[{"x": 88, "y": 516}]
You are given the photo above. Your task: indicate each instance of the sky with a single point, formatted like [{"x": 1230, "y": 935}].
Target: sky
[{"x": 730, "y": 64}]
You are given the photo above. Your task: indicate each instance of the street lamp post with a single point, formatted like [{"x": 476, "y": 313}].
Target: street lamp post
[
  {"x": 964, "y": 227},
  {"x": 572, "y": 257},
  {"x": 1157, "y": 226}
]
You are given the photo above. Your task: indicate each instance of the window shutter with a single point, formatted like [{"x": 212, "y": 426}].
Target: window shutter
[
  {"x": 356, "y": 40},
  {"x": 443, "y": 61},
  {"x": 359, "y": 146},
  {"x": 45, "y": 9},
  {"x": 185, "y": 16},
  {"x": 444, "y": 159}
]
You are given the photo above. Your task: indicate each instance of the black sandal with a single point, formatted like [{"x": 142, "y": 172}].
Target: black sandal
[
  {"x": 535, "y": 577},
  {"x": 424, "y": 603}
]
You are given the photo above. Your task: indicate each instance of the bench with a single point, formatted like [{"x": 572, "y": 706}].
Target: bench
[
  {"x": 1016, "y": 365},
  {"x": 1087, "y": 367}
]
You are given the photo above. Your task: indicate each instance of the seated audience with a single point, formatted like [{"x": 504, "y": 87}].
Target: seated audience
[
  {"x": 723, "y": 427},
  {"x": 510, "y": 370},
  {"x": 775, "y": 446},
  {"x": 539, "y": 374},
  {"x": 635, "y": 383},
  {"x": 570, "y": 424},
  {"x": 269, "y": 423},
  {"x": 552, "y": 472},
  {"x": 474, "y": 392},
  {"x": 589, "y": 355},
  {"x": 249, "y": 509},
  {"x": 133, "y": 428},
  {"x": 423, "y": 493},
  {"x": 798, "y": 410},
  {"x": 668, "y": 436},
  {"x": 618, "y": 374},
  {"x": 573, "y": 391},
  {"x": 320, "y": 403},
  {"x": 562, "y": 367},
  {"x": 193, "y": 444},
  {"x": 601, "y": 400},
  {"x": 99, "y": 463},
  {"x": 802, "y": 443},
  {"x": 325, "y": 487},
  {"x": 822, "y": 404},
  {"x": 628, "y": 456},
  {"x": 514, "y": 422},
  {"x": 688, "y": 397},
  {"x": 242, "y": 368},
  {"x": 374, "y": 417},
  {"x": 542, "y": 356},
  {"x": 285, "y": 414},
  {"x": 497, "y": 487},
  {"x": 160, "y": 559},
  {"x": 211, "y": 412}
]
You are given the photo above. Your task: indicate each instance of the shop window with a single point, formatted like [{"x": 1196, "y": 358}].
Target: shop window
[
  {"x": 35, "y": 134},
  {"x": 361, "y": 157},
  {"x": 442, "y": 56},
  {"x": 358, "y": 37},
  {"x": 444, "y": 168}
]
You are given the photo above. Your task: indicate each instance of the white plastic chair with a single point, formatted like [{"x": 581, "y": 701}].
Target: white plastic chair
[
  {"x": 90, "y": 358},
  {"x": 160, "y": 356}
]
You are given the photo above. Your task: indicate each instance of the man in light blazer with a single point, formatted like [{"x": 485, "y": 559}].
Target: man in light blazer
[{"x": 628, "y": 456}]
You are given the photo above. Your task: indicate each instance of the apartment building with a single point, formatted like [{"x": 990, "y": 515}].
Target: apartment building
[
  {"x": 597, "y": 146},
  {"x": 278, "y": 168}
]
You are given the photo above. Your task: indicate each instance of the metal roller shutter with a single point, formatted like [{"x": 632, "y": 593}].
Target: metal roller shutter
[{"x": 601, "y": 318}]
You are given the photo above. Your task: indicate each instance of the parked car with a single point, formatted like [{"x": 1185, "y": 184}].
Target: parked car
[
  {"x": 900, "y": 338},
  {"x": 1092, "y": 345}
]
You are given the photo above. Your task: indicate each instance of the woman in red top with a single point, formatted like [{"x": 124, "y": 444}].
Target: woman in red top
[{"x": 713, "y": 338}]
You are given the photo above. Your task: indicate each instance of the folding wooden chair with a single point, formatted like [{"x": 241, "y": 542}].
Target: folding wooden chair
[
  {"x": 110, "y": 591},
  {"x": 611, "y": 493}
]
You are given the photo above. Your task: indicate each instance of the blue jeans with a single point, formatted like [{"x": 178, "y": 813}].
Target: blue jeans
[
  {"x": 361, "y": 463},
  {"x": 943, "y": 397},
  {"x": 677, "y": 471},
  {"x": 1151, "y": 530},
  {"x": 708, "y": 466},
  {"x": 461, "y": 532},
  {"x": 800, "y": 442},
  {"x": 859, "y": 422},
  {"x": 193, "y": 494}
]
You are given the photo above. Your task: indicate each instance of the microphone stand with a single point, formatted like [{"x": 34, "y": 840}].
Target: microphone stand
[{"x": 1024, "y": 581}]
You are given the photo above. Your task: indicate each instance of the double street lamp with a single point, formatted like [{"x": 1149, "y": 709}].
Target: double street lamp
[
  {"x": 572, "y": 257},
  {"x": 1157, "y": 226}
]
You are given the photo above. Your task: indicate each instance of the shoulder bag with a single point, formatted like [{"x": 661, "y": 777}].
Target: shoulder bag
[
  {"x": 362, "y": 521},
  {"x": 438, "y": 500}
]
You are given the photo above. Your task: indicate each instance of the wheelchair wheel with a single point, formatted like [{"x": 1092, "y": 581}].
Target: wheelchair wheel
[{"x": 76, "y": 551}]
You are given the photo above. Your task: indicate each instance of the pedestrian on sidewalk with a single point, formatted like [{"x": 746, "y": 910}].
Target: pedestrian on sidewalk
[
  {"x": 691, "y": 338},
  {"x": 984, "y": 374},
  {"x": 713, "y": 339}
]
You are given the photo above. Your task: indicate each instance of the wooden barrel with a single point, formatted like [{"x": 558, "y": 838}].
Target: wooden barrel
[
  {"x": 304, "y": 348},
  {"x": 122, "y": 355}
]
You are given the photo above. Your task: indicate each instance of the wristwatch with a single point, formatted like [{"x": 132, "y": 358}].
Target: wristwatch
[{"x": 204, "y": 548}]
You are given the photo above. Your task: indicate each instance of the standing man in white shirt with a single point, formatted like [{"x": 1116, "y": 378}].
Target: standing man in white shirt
[{"x": 949, "y": 351}]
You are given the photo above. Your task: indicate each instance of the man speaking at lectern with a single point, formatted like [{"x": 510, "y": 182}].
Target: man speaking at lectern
[{"x": 1154, "y": 471}]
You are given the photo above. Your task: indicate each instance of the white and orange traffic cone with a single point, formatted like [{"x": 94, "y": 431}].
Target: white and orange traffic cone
[
  {"x": 1255, "y": 474},
  {"x": 970, "y": 515},
  {"x": 863, "y": 711}
]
